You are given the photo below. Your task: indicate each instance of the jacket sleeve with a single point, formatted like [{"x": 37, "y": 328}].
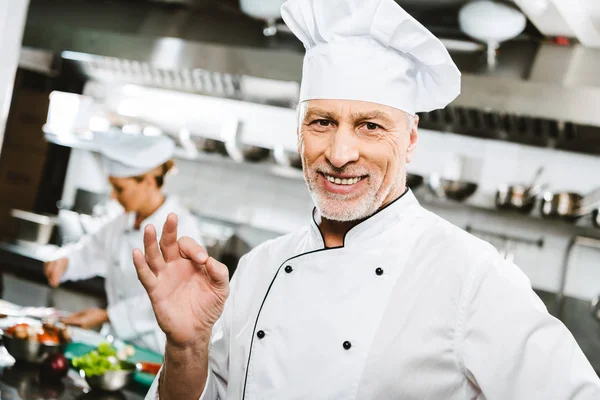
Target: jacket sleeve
[
  {"x": 88, "y": 257},
  {"x": 512, "y": 348},
  {"x": 218, "y": 353}
]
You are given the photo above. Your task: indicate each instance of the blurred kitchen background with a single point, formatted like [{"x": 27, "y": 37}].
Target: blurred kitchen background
[{"x": 514, "y": 160}]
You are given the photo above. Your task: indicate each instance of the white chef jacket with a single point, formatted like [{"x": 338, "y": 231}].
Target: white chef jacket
[
  {"x": 108, "y": 253},
  {"x": 411, "y": 307}
]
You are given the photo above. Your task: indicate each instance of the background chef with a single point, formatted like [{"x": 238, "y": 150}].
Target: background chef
[
  {"x": 378, "y": 298},
  {"x": 137, "y": 166}
]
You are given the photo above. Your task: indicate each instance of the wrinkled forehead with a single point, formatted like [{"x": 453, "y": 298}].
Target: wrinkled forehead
[{"x": 351, "y": 109}]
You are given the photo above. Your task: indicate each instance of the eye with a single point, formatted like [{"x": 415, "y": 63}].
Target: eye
[
  {"x": 322, "y": 122},
  {"x": 371, "y": 126}
]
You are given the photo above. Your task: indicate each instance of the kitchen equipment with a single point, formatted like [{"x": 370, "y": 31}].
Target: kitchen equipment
[
  {"x": 85, "y": 201},
  {"x": 33, "y": 228},
  {"x": 519, "y": 197},
  {"x": 451, "y": 189},
  {"x": 236, "y": 149},
  {"x": 287, "y": 158},
  {"x": 561, "y": 205},
  {"x": 413, "y": 181},
  {"x": 569, "y": 206},
  {"x": 112, "y": 380},
  {"x": 30, "y": 351},
  {"x": 492, "y": 23}
]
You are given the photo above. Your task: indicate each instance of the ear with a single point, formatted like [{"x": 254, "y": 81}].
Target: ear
[{"x": 412, "y": 140}]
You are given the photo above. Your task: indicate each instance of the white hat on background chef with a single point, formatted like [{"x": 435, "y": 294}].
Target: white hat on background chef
[
  {"x": 371, "y": 51},
  {"x": 127, "y": 156}
]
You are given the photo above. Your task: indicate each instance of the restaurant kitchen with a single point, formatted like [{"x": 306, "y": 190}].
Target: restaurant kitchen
[{"x": 513, "y": 159}]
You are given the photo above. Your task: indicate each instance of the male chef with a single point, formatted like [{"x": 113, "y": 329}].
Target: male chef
[{"x": 376, "y": 298}]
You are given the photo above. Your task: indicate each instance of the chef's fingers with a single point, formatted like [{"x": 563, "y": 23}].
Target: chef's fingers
[
  {"x": 218, "y": 272},
  {"x": 144, "y": 273},
  {"x": 153, "y": 256},
  {"x": 168, "y": 239},
  {"x": 189, "y": 248}
]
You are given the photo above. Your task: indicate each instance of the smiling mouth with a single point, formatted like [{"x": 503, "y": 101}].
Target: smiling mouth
[{"x": 343, "y": 181}]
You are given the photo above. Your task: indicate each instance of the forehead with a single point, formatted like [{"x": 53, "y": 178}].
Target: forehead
[{"x": 351, "y": 107}]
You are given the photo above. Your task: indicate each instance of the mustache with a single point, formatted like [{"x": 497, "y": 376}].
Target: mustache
[{"x": 345, "y": 170}]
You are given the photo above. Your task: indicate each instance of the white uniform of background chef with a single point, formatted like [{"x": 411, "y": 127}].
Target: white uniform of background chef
[
  {"x": 377, "y": 298},
  {"x": 136, "y": 166}
]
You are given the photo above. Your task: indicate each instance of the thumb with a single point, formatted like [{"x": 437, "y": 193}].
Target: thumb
[{"x": 218, "y": 272}]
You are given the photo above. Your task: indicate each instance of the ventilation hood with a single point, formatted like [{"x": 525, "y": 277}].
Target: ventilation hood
[{"x": 539, "y": 93}]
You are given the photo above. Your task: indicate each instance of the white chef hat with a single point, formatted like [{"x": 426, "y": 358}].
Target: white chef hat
[
  {"x": 126, "y": 156},
  {"x": 371, "y": 50}
]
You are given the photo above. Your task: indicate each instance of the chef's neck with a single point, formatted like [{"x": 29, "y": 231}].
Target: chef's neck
[
  {"x": 334, "y": 232},
  {"x": 149, "y": 207}
]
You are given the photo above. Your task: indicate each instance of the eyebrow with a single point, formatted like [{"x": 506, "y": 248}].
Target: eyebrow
[
  {"x": 319, "y": 113},
  {"x": 374, "y": 114}
]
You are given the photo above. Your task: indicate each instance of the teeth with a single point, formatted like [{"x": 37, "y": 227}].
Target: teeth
[{"x": 344, "y": 181}]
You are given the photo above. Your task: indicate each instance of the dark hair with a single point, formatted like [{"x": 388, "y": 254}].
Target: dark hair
[{"x": 160, "y": 178}]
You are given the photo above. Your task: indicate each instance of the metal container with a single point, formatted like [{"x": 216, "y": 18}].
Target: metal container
[
  {"x": 33, "y": 228},
  {"x": 451, "y": 189},
  {"x": 112, "y": 380},
  {"x": 564, "y": 205},
  {"x": 516, "y": 197},
  {"x": 30, "y": 351}
]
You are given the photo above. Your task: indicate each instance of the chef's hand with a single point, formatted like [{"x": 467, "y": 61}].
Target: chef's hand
[
  {"x": 87, "y": 319},
  {"x": 54, "y": 270},
  {"x": 187, "y": 288}
]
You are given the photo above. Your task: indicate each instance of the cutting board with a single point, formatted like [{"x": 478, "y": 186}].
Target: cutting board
[{"x": 76, "y": 349}]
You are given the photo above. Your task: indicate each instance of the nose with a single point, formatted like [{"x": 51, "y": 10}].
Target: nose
[
  {"x": 113, "y": 195},
  {"x": 343, "y": 147}
]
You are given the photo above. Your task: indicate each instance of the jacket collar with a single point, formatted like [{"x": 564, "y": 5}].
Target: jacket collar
[{"x": 376, "y": 224}]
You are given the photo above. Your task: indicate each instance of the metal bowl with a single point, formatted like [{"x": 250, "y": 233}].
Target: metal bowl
[
  {"x": 112, "y": 381},
  {"x": 30, "y": 351},
  {"x": 451, "y": 189}
]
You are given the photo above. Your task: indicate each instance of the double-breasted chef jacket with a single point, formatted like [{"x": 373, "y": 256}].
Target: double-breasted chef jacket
[
  {"x": 410, "y": 307},
  {"x": 107, "y": 253}
]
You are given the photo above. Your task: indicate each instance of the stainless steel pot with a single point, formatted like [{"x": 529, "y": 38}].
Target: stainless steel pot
[
  {"x": 516, "y": 197},
  {"x": 564, "y": 205}
]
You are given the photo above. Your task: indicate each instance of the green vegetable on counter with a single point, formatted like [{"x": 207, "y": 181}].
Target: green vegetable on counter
[{"x": 98, "y": 361}]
